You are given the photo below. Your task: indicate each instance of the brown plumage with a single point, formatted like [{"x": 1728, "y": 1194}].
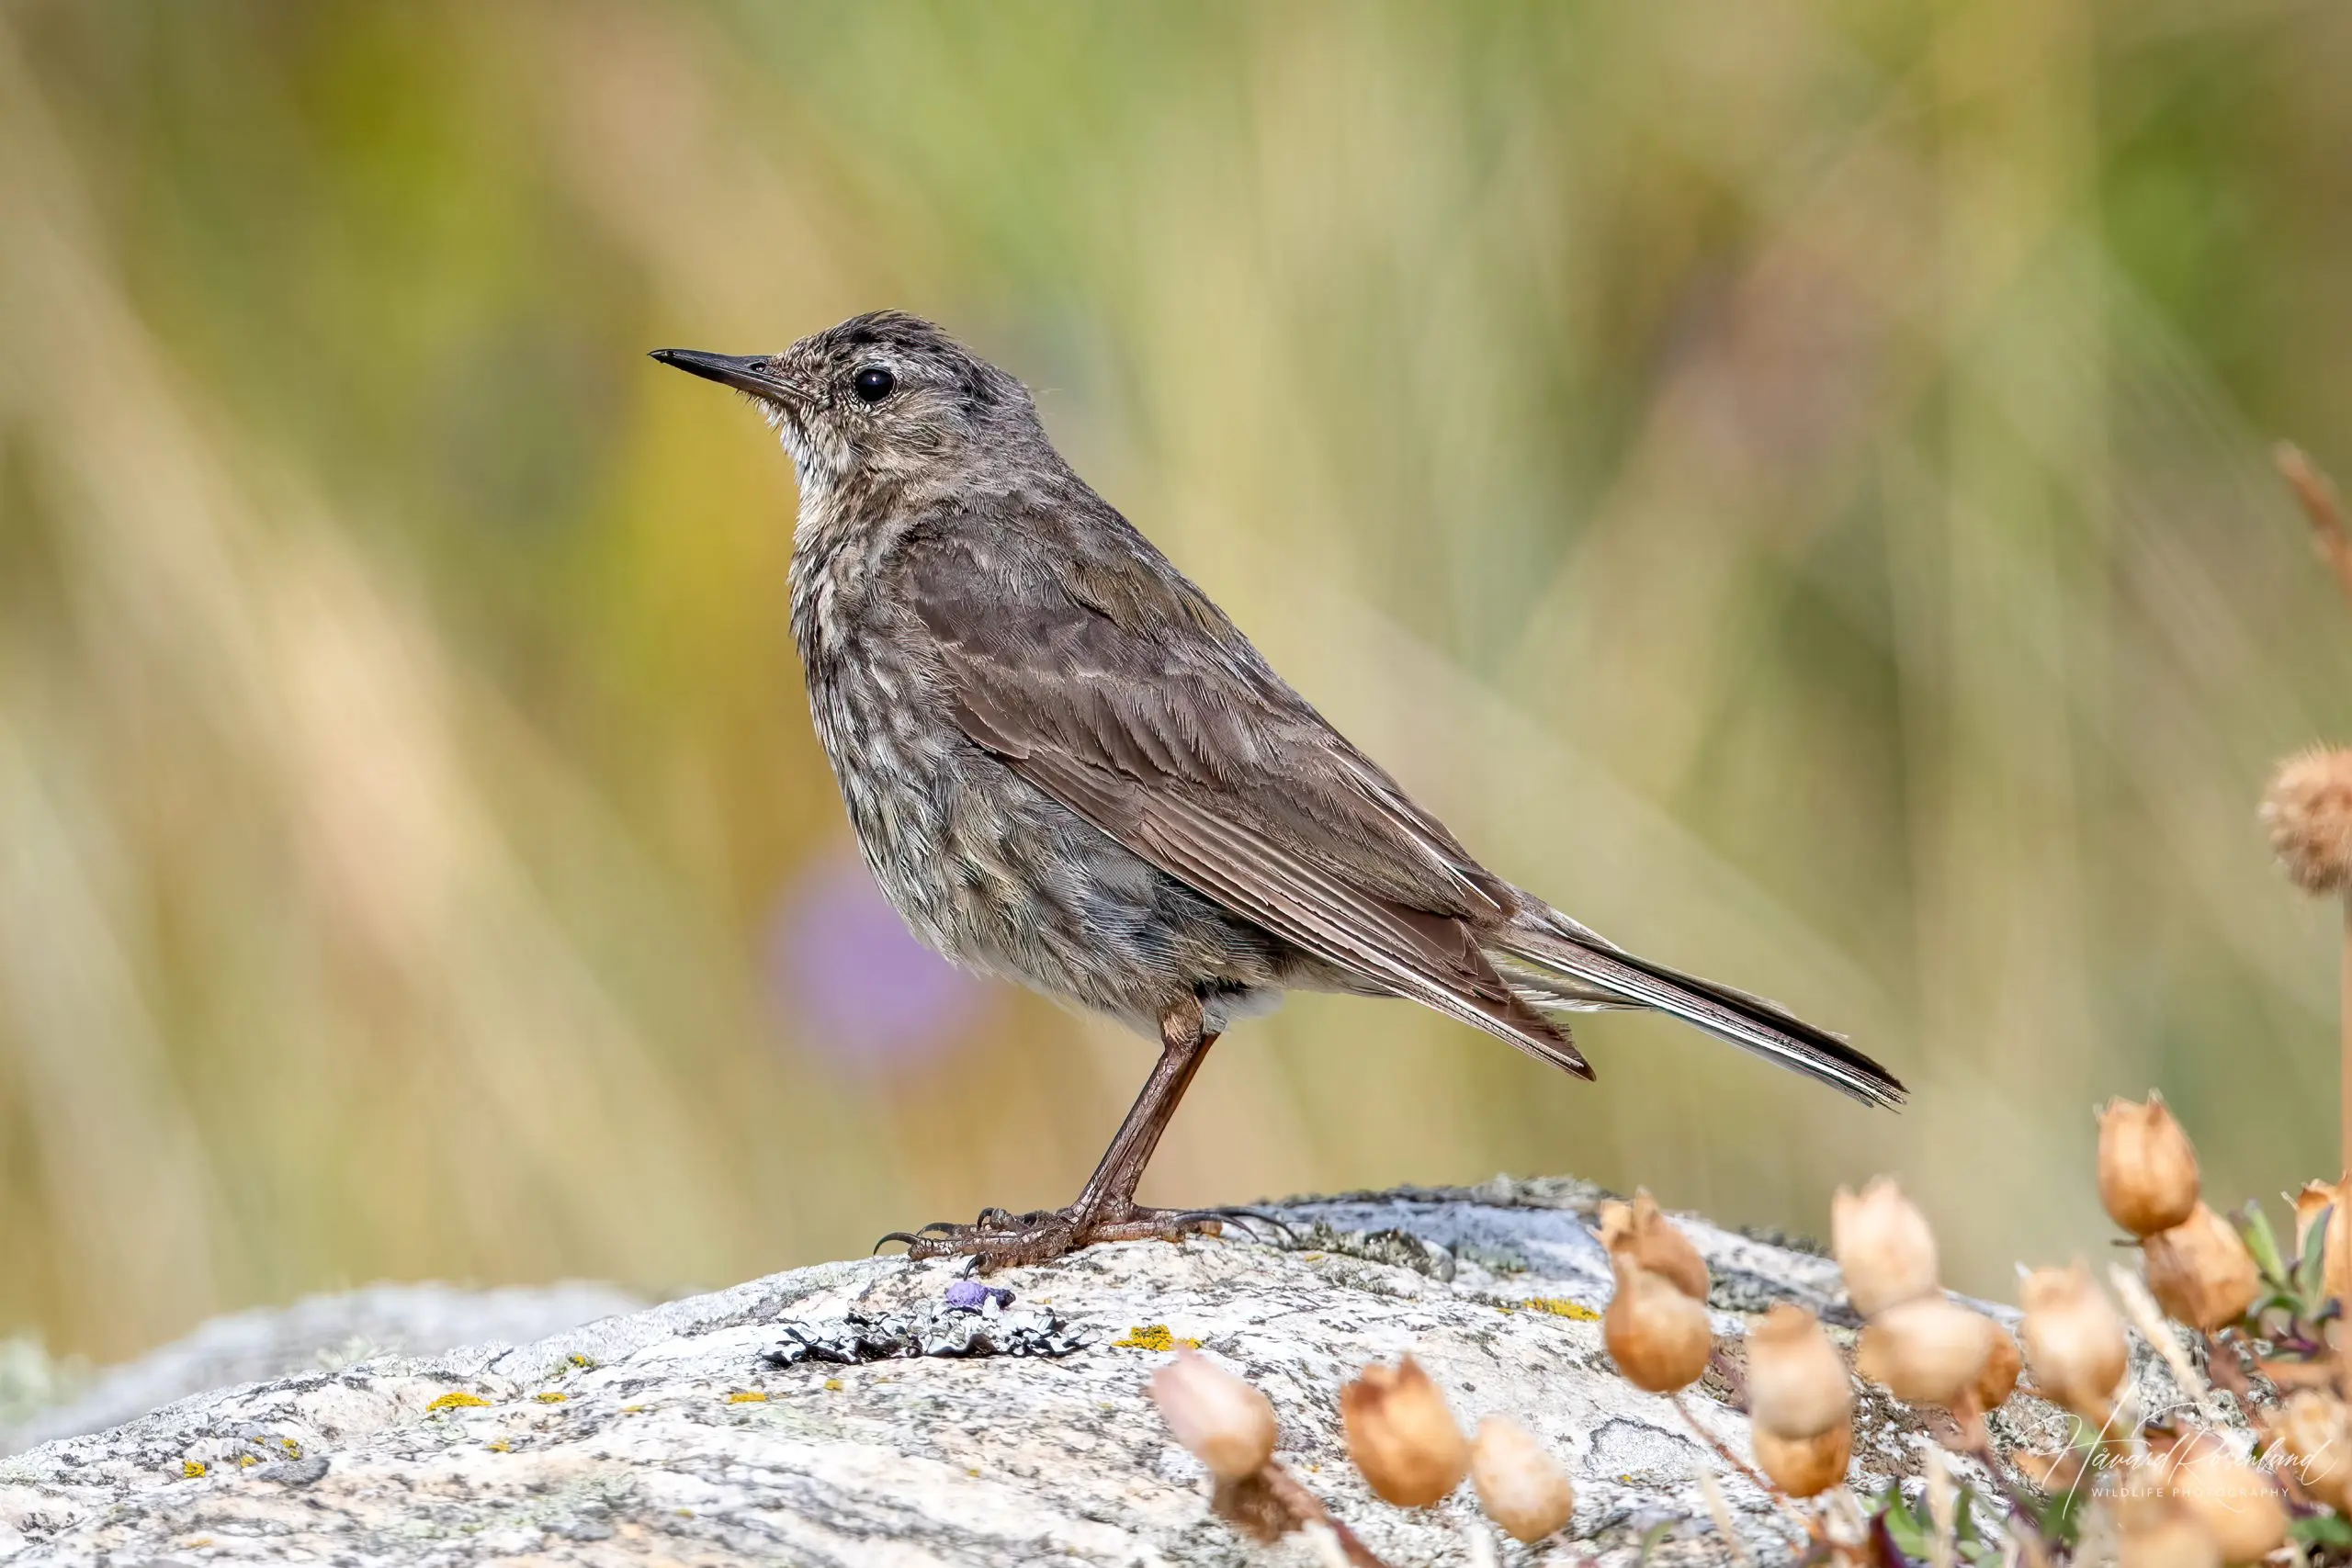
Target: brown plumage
[{"x": 1065, "y": 764}]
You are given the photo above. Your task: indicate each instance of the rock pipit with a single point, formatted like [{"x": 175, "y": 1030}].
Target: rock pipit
[{"x": 1066, "y": 766}]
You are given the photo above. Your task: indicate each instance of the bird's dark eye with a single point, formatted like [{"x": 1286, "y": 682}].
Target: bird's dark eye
[{"x": 873, "y": 384}]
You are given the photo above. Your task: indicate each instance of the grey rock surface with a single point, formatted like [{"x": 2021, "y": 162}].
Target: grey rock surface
[
  {"x": 666, "y": 1436},
  {"x": 320, "y": 1333}
]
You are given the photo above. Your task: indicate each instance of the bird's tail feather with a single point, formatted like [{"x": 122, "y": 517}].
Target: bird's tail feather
[{"x": 1610, "y": 975}]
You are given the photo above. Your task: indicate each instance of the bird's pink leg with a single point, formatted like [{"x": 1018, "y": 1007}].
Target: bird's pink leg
[{"x": 1105, "y": 1209}]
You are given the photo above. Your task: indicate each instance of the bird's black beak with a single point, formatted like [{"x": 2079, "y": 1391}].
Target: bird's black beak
[{"x": 754, "y": 373}]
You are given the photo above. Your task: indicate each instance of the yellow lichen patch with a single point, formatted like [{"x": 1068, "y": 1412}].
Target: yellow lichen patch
[
  {"x": 832, "y": 1385},
  {"x": 499, "y": 1446},
  {"x": 1560, "y": 1306},
  {"x": 194, "y": 1469},
  {"x": 631, "y": 1409},
  {"x": 747, "y": 1396},
  {"x": 455, "y": 1400},
  {"x": 1153, "y": 1336},
  {"x": 550, "y": 1397},
  {"x": 293, "y": 1450},
  {"x": 577, "y": 1360},
  {"x": 246, "y": 1460}
]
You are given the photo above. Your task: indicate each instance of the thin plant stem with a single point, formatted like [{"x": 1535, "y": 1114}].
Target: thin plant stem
[
  {"x": 1942, "y": 1511},
  {"x": 1308, "y": 1508},
  {"x": 1755, "y": 1477},
  {"x": 2025, "y": 1520},
  {"x": 2344, "y": 1049},
  {"x": 2323, "y": 508},
  {"x": 2145, "y": 1314},
  {"x": 1974, "y": 1438},
  {"x": 1720, "y": 1511}
]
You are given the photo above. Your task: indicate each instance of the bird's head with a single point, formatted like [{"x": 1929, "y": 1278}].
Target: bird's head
[{"x": 885, "y": 396}]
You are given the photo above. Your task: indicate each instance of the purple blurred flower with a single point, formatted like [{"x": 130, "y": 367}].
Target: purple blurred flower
[{"x": 858, "y": 988}]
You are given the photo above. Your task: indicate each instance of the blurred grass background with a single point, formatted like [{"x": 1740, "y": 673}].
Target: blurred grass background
[{"x": 1785, "y": 480}]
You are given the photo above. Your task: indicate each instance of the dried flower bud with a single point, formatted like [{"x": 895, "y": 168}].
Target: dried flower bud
[
  {"x": 1929, "y": 1351},
  {"x": 1804, "y": 1467},
  {"x": 2308, "y": 811},
  {"x": 1884, "y": 1244},
  {"x": 2076, "y": 1338},
  {"x": 1659, "y": 1338},
  {"x": 1998, "y": 1378},
  {"x": 1796, "y": 1381},
  {"x": 2315, "y": 1428},
  {"x": 2318, "y": 1198},
  {"x": 1520, "y": 1484},
  {"x": 2236, "y": 1504},
  {"x": 1227, "y": 1424},
  {"x": 2155, "y": 1532},
  {"x": 1401, "y": 1436},
  {"x": 2147, "y": 1167},
  {"x": 2200, "y": 1272},
  {"x": 1655, "y": 1245}
]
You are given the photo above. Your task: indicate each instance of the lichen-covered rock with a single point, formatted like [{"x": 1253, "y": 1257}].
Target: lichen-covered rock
[
  {"x": 667, "y": 1436},
  {"x": 317, "y": 1333}
]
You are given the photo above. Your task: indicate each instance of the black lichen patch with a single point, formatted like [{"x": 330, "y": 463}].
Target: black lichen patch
[
  {"x": 1741, "y": 1291},
  {"x": 901, "y": 1335},
  {"x": 1397, "y": 1249},
  {"x": 1564, "y": 1192},
  {"x": 1787, "y": 1241},
  {"x": 1503, "y": 1259}
]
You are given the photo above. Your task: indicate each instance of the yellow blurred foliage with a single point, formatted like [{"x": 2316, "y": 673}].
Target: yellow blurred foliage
[{"x": 1784, "y": 480}]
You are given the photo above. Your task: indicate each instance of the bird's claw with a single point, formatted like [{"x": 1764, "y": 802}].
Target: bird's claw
[
  {"x": 1252, "y": 1217},
  {"x": 997, "y": 1239}
]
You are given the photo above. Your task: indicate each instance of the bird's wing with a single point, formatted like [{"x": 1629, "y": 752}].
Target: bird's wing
[{"x": 1112, "y": 683}]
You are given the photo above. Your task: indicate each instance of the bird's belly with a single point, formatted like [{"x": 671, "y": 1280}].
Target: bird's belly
[{"x": 998, "y": 876}]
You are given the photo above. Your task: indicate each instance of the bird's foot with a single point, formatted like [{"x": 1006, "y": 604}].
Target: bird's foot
[{"x": 999, "y": 1239}]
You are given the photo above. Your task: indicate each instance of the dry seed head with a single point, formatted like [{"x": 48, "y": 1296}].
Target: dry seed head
[
  {"x": 1796, "y": 1381},
  {"x": 1659, "y": 1338},
  {"x": 2147, "y": 1167},
  {"x": 2318, "y": 1198},
  {"x": 1929, "y": 1351},
  {"x": 2200, "y": 1272},
  {"x": 2308, "y": 813},
  {"x": 1804, "y": 1467},
  {"x": 1520, "y": 1484},
  {"x": 1884, "y": 1244},
  {"x": 1227, "y": 1424},
  {"x": 2074, "y": 1338},
  {"x": 2236, "y": 1504},
  {"x": 1401, "y": 1436},
  {"x": 1998, "y": 1378},
  {"x": 1654, "y": 1243},
  {"x": 2316, "y": 1428},
  {"x": 2166, "y": 1536}
]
